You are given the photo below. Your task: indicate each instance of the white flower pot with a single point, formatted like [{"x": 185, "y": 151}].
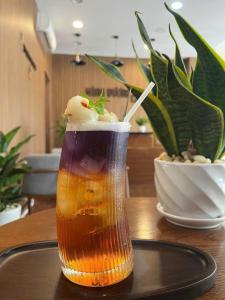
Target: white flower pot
[
  {"x": 191, "y": 191},
  {"x": 11, "y": 213},
  {"x": 56, "y": 150},
  {"x": 142, "y": 128}
]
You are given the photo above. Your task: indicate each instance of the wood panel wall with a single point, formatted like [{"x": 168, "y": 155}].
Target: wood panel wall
[
  {"x": 22, "y": 90},
  {"x": 70, "y": 80}
]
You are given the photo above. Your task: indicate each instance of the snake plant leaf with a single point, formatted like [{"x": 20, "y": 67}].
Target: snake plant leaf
[
  {"x": 177, "y": 112},
  {"x": 206, "y": 119},
  {"x": 160, "y": 120},
  {"x": 109, "y": 69},
  {"x": 146, "y": 71},
  {"x": 191, "y": 76},
  {"x": 175, "y": 106},
  {"x": 178, "y": 58},
  {"x": 159, "y": 70},
  {"x": 183, "y": 77},
  {"x": 143, "y": 68},
  {"x": 144, "y": 34},
  {"x": 209, "y": 74},
  {"x": 154, "y": 108}
]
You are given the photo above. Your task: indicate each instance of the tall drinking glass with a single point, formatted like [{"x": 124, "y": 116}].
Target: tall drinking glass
[{"x": 93, "y": 234}]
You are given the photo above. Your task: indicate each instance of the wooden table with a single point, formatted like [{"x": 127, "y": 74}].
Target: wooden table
[{"x": 145, "y": 223}]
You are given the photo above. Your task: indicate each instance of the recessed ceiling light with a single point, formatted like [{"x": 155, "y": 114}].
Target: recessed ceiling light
[
  {"x": 78, "y": 24},
  {"x": 176, "y": 5},
  {"x": 76, "y": 1},
  {"x": 145, "y": 47}
]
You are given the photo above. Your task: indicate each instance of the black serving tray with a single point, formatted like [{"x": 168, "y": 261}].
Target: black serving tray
[{"x": 162, "y": 270}]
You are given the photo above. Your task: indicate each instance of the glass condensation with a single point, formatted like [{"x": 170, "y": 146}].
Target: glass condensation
[{"x": 93, "y": 234}]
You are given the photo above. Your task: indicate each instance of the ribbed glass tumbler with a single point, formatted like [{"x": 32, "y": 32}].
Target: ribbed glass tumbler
[{"x": 93, "y": 234}]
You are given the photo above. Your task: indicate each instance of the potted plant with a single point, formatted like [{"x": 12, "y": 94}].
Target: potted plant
[
  {"x": 186, "y": 112},
  {"x": 60, "y": 129},
  {"x": 141, "y": 122},
  {"x": 12, "y": 170}
]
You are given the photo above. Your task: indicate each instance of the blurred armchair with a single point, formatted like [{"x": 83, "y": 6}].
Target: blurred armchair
[{"x": 41, "y": 182}]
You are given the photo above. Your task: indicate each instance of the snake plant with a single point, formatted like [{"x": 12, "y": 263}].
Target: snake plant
[{"x": 184, "y": 110}]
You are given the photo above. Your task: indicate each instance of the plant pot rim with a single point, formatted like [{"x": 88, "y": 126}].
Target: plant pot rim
[
  {"x": 13, "y": 206},
  {"x": 191, "y": 165}
]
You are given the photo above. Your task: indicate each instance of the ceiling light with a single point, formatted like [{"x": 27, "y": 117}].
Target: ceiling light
[
  {"x": 78, "y": 61},
  {"x": 78, "y": 24},
  {"x": 116, "y": 61},
  {"x": 76, "y": 1},
  {"x": 176, "y": 5},
  {"x": 145, "y": 47}
]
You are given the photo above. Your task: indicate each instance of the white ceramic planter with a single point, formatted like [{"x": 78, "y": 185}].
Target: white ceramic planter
[
  {"x": 142, "y": 128},
  {"x": 56, "y": 150},
  {"x": 10, "y": 214},
  {"x": 194, "y": 191}
]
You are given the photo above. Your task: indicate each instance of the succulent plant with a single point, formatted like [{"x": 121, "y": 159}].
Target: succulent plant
[{"x": 184, "y": 110}]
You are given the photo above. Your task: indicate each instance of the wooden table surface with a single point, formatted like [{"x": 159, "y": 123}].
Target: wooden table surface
[{"x": 145, "y": 223}]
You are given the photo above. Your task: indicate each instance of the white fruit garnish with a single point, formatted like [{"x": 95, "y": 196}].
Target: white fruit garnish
[
  {"x": 108, "y": 117},
  {"x": 78, "y": 110}
]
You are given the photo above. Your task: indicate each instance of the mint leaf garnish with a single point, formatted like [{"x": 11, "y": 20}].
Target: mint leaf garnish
[{"x": 99, "y": 104}]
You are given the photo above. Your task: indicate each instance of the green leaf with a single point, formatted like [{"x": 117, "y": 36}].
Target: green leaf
[
  {"x": 60, "y": 127},
  {"x": 209, "y": 74},
  {"x": 2, "y": 141},
  {"x": 175, "y": 107},
  {"x": 9, "y": 166},
  {"x": 2, "y": 205},
  {"x": 11, "y": 195},
  {"x": 191, "y": 76},
  {"x": 153, "y": 106},
  {"x": 183, "y": 77},
  {"x": 176, "y": 110},
  {"x": 144, "y": 34},
  {"x": 2, "y": 161},
  {"x": 146, "y": 71},
  {"x": 12, "y": 170},
  {"x": 99, "y": 104},
  {"x": 11, "y": 180},
  {"x": 9, "y": 137},
  {"x": 110, "y": 69},
  {"x": 16, "y": 148},
  {"x": 160, "y": 120},
  {"x": 141, "y": 121},
  {"x": 143, "y": 68},
  {"x": 206, "y": 120},
  {"x": 178, "y": 58}
]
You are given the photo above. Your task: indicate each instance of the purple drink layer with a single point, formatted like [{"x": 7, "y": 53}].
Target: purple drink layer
[{"x": 87, "y": 152}]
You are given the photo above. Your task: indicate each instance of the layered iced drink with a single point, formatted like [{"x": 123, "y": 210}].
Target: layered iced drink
[{"x": 93, "y": 234}]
